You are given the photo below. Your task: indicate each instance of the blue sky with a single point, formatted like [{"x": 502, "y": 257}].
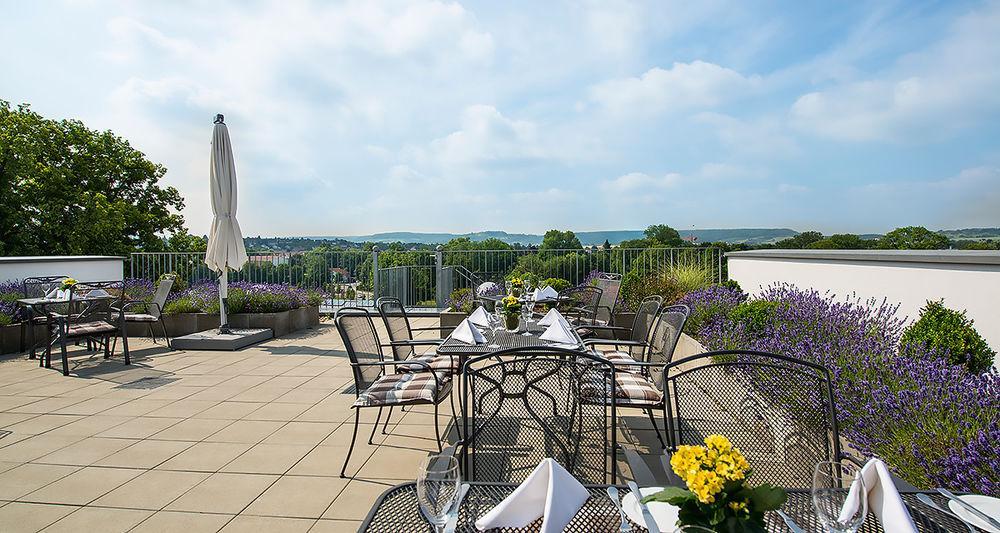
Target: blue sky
[{"x": 370, "y": 116}]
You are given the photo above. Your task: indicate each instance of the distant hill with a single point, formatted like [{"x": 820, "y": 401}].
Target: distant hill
[
  {"x": 971, "y": 233},
  {"x": 587, "y": 238}
]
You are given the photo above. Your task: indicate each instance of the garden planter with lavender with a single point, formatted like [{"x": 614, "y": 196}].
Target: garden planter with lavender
[{"x": 450, "y": 318}]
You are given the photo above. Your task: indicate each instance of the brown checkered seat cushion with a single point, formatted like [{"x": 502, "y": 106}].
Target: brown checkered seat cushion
[
  {"x": 140, "y": 317},
  {"x": 83, "y": 329},
  {"x": 448, "y": 364},
  {"x": 630, "y": 389},
  {"x": 621, "y": 360},
  {"x": 395, "y": 389}
]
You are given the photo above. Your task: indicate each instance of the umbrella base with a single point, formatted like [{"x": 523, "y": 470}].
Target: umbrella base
[{"x": 214, "y": 340}]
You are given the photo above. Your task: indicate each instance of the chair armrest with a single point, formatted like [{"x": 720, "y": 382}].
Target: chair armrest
[
  {"x": 613, "y": 342},
  {"x": 604, "y": 328},
  {"x": 414, "y": 342},
  {"x": 435, "y": 328}
]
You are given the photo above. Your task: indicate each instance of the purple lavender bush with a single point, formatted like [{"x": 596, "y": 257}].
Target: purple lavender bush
[
  {"x": 10, "y": 312},
  {"x": 934, "y": 423},
  {"x": 244, "y": 297}
]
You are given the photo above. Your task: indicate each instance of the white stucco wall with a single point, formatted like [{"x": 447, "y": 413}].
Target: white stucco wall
[
  {"x": 83, "y": 268},
  {"x": 964, "y": 280}
]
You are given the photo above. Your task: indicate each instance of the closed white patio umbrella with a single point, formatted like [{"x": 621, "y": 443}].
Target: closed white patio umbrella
[{"x": 225, "y": 241}]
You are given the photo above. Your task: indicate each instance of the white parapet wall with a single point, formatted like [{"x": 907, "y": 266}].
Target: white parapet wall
[
  {"x": 80, "y": 267},
  {"x": 964, "y": 279}
]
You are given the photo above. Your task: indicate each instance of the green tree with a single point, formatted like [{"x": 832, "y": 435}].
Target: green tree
[
  {"x": 66, "y": 189},
  {"x": 841, "y": 241},
  {"x": 913, "y": 238},
  {"x": 560, "y": 240},
  {"x": 606, "y": 246},
  {"x": 664, "y": 235},
  {"x": 801, "y": 240}
]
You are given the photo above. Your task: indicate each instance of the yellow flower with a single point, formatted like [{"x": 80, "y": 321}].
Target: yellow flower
[
  {"x": 739, "y": 506},
  {"x": 705, "y": 484},
  {"x": 718, "y": 443},
  {"x": 69, "y": 281}
]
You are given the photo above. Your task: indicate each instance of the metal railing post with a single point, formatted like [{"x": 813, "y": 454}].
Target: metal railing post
[
  {"x": 374, "y": 274},
  {"x": 439, "y": 294}
]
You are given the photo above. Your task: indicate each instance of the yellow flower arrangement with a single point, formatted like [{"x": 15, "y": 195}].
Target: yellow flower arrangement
[
  {"x": 717, "y": 494},
  {"x": 67, "y": 284}
]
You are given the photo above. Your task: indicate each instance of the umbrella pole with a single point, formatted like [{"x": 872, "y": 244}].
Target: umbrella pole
[{"x": 223, "y": 297}]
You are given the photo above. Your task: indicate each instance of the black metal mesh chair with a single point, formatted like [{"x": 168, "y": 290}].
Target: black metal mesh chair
[
  {"x": 151, "y": 312},
  {"x": 374, "y": 386},
  {"x": 779, "y": 411},
  {"x": 397, "y": 324},
  {"x": 523, "y": 405},
  {"x": 36, "y": 287},
  {"x": 579, "y": 304},
  {"x": 93, "y": 320},
  {"x": 610, "y": 285},
  {"x": 632, "y": 340}
]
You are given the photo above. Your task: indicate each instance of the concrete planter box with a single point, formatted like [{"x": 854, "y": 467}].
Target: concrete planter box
[
  {"x": 281, "y": 323},
  {"x": 10, "y": 338},
  {"x": 450, "y": 318}
]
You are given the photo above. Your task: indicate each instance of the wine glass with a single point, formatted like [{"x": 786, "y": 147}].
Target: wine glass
[
  {"x": 437, "y": 489},
  {"x": 526, "y": 315},
  {"x": 839, "y": 496},
  {"x": 497, "y": 323}
]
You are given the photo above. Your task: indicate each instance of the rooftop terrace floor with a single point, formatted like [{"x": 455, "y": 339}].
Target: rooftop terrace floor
[{"x": 194, "y": 441}]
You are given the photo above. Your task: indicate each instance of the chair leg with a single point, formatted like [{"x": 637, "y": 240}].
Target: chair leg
[
  {"x": 152, "y": 334},
  {"x": 652, "y": 420},
  {"x": 166, "y": 339},
  {"x": 128, "y": 361},
  {"x": 378, "y": 417},
  {"x": 354, "y": 436},
  {"x": 437, "y": 426},
  {"x": 386, "y": 423},
  {"x": 107, "y": 346},
  {"x": 65, "y": 357}
]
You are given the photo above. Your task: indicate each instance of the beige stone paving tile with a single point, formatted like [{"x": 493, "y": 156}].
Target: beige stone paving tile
[
  {"x": 331, "y": 411},
  {"x": 153, "y": 489},
  {"x": 329, "y": 383},
  {"x": 184, "y": 408},
  {"x": 261, "y": 393},
  {"x": 62, "y": 388},
  {"x": 328, "y": 460},
  {"x": 19, "y": 517},
  {"x": 335, "y": 526},
  {"x": 357, "y": 499},
  {"x": 342, "y": 435},
  {"x": 85, "y": 452},
  {"x": 192, "y": 429},
  {"x": 145, "y": 454},
  {"x": 282, "y": 412},
  {"x": 45, "y": 405},
  {"x": 218, "y": 394},
  {"x": 230, "y": 410},
  {"x": 245, "y": 382},
  {"x": 305, "y": 370},
  {"x": 267, "y": 371},
  {"x": 137, "y": 407},
  {"x": 303, "y": 395},
  {"x": 173, "y": 392},
  {"x": 90, "y": 406},
  {"x": 36, "y": 446},
  {"x": 391, "y": 463},
  {"x": 5, "y": 466},
  {"x": 181, "y": 522},
  {"x": 205, "y": 456},
  {"x": 42, "y": 423},
  {"x": 9, "y": 419},
  {"x": 253, "y": 524},
  {"x": 139, "y": 428},
  {"x": 297, "y": 496},
  {"x": 27, "y": 478},
  {"x": 99, "y": 519},
  {"x": 223, "y": 493},
  {"x": 90, "y": 425},
  {"x": 248, "y": 431},
  {"x": 268, "y": 458},
  {"x": 286, "y": 381},
  {"x": 83, "y": 486},
  {"x": 203, "y": 381},
  {"x": 12, "y": 402},
  {"x": 311, "y": 433}
]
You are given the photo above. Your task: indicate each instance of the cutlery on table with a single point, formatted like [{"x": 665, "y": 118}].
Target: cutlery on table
[
  {"x": 647, "y": 517},
  {"x": 926, "y": 500},
  {"x": 969, "y": 507},
  {"x": 789, "y": 522},
  {"x": 449, "y": 526},
  {"x": 613, "y": 494}
]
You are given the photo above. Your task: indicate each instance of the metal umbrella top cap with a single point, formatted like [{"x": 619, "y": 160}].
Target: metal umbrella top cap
[{"x": 219, "y": 119}]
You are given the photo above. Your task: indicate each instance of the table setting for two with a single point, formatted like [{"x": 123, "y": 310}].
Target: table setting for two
[{"x": 495, "y": 331}]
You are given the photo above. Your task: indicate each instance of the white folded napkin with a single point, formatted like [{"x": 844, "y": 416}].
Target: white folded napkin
[
  {"x": 468, "y": 333},
  {"x": 549, "y": 492},
  {"x": 559, "y": 332},
  {"x": 547, "y": 293},
  {"x": 479, "y": 317},
  {"x": 98, "y": 293},
  {"x": 552, "y": 317},
  {"x": 883, "y": 498},
  {"x": 54, "y": 293}
]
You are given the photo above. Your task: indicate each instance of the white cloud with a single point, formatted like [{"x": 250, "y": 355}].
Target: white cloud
[
  {"x": 640, "y": 182},
  {"x": 925, "y": 95},
  {"x": 765, "y": 137},
  {"x": 695, "y": 85}
]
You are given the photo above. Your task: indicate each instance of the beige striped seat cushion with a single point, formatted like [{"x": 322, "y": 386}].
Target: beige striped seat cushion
[{"x": 395, "y": 389}]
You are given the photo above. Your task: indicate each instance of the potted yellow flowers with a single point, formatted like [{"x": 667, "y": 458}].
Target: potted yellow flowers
[
  {"x": 718, "y": 496},
  {"x": 65, "y": 287},
  {"x": 511, "y": 308}
]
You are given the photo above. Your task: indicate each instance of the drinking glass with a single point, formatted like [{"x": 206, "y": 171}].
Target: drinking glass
[
  {"x": 437, "y": 489},
  {"x": 839, "y": 496},
  {"x": 497, "y": 323},
  {"x": 526, "y": 315}
]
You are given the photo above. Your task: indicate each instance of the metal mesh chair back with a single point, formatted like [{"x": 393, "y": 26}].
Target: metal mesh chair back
[
  {"x": 523, "y": 405},
  {"x": 777, "y": 410},
  {"x": 357, "y": 330},
  {"x": 160, "y": 296},
  {"x": 89, "y": 310},
  {"x": 397, "y": 324},
  {"x": 645, "y": 316},
  {"x": 581, "y": 302},
  {"x": 40, "y": 286},
  {"x": 610, "y": 285},
  {"x": 666, "y": 333}
]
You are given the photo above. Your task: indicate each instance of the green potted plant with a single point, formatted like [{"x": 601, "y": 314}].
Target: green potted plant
[{"x": 511, "y": 307}]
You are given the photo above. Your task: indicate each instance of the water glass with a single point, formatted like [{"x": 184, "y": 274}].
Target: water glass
[
  {"x": 437, "y": 489},
  {"x": 839, "y": 496}
]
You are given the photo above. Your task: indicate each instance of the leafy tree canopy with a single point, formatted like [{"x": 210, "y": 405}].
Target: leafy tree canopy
[
  {"x": 664, "y": 235},
  {"x": 913, "y": 238},
  {"x": 842, "y": 241},
  {"x": 66, "y": 189},
  {"x": 560, "y": 240},
  {"x": 801, "y": 240}
]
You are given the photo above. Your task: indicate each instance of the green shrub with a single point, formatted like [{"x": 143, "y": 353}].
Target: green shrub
[
  {"x": 636, "y": 287},
  {"x": 755, "y": 315},
  {"x": 689, "y": 278},
  {"x": 461, "y": 300},
  {"x": 950, "y": 334},
  {"x": 732, "y": 284},
  {"x": 558, "y": 284},
  {"x": 315, "y": 298},
  {"x": 5, "y": 319},
  {"x": 180, "y": 284},
  {"x": 181, "y": 305}
]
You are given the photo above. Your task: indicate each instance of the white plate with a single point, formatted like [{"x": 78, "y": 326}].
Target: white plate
[
  {"x": 663, "y": 513},
  {"x": 987, "y": 505}
]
